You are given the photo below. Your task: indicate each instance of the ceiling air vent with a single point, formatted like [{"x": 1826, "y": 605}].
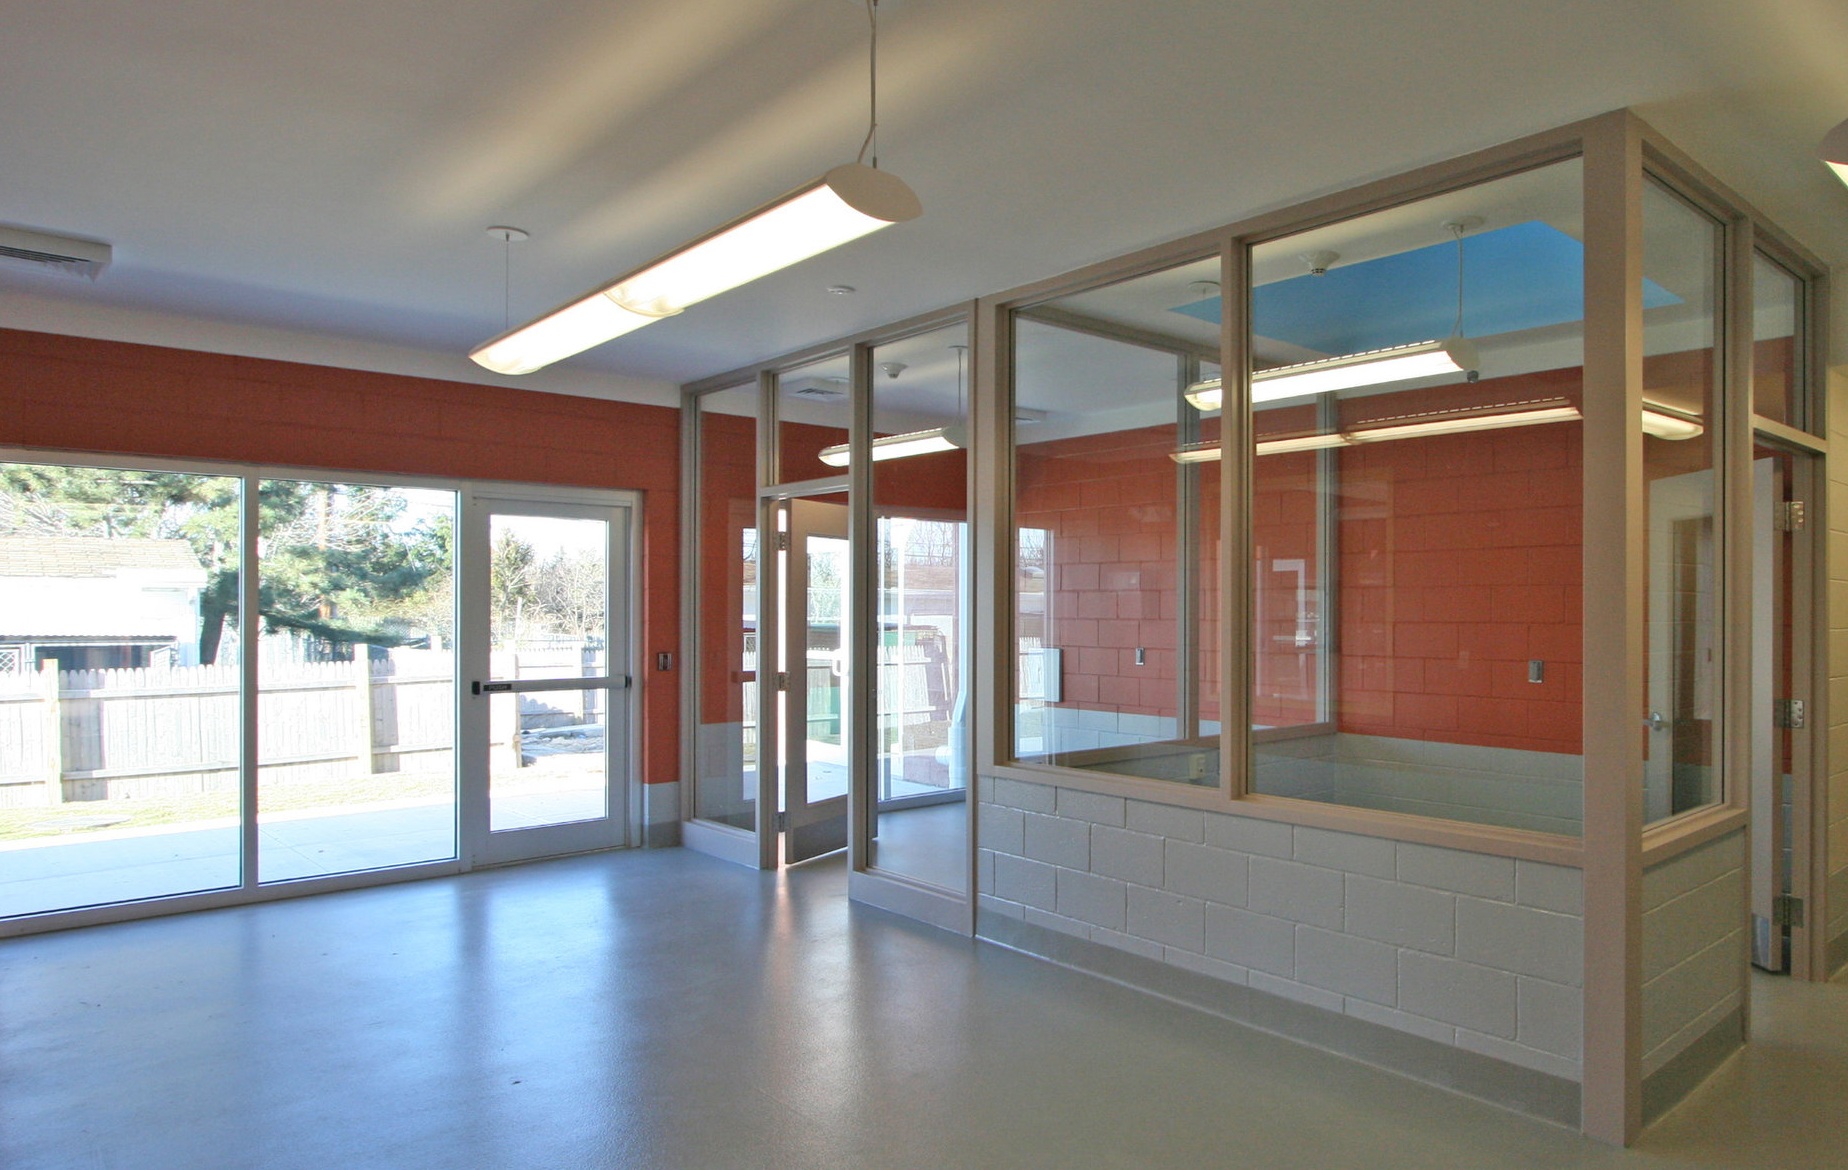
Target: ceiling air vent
[
  {"x": 821, "y": 389},
  {"x": 57, "y": 253}
]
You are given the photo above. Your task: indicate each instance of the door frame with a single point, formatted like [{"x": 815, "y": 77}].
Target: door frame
[{"x": 479, "y": 845}]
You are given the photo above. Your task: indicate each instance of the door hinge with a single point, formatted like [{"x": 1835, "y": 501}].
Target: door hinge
[
  {"x": 782, "y": 542},
  {"x": 1787, "y": 910},
  {"x": 1788, "y": 714},
  {"x": 1788, "y": 516},
  {"x": 782, "y": 680}
]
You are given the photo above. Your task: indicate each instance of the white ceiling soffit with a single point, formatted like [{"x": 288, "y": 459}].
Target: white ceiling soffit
[{"x": 331, "y": 168}]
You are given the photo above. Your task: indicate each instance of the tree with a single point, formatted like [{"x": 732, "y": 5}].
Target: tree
[
  {"x": 346, "y": 563},
  {"x": 511, "y": 586}
]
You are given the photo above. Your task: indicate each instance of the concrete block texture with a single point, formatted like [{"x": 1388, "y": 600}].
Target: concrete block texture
[
  {"x": 1559, "y": 888},
  {"x": 1300, "y": 992},
  {"x": 1405, "y": 915},
  {"x": 1169, "y": 919},
  {"x": 1058, "y": 840},
  {"x": 1455, "y": 870},
  {"x": 1249, "y": 835},
  {"x": 1001, "y": 828},
  {"x": 1683, "y": 925},
  {"x": 1521, "y": 939},
  {"x": 1091, "y": 806},
  {"x": 1031, "y": 883},
  {"x": 1100, "y": 901},
  {"x": 1251, "y": 940},
  {"x": 1024, "y": 794},
  {"x": 1551, "y": 1017},
  {"x": 1352, "y": 966},
  {"x": 1201, "y": 871},
  {"x": 1300, "y": 893},
  {"x": 1465, "y": 994},
  {"x": 1710, "y": 978},
  {"x": 1132, "y": 856},
  {"x": 1348, "y": 852},
  {"x": 1692, "y": 869},
  {"x": 1165, "y": 820},
  {"x": 1202, "y": 965}
]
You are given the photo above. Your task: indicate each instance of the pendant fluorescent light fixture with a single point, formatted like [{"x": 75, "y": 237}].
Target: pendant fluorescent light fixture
[
  {"x": 925, "y": 442},
  {"x": 1834, "y": 151},
  {"x": 1455, "y": 354},
  {"x": 1422, "y": 428},
  {"x": 844, "y": 204},
  {"x": 1374, "y": 367},
  {"x": 1669, "y": 422}
]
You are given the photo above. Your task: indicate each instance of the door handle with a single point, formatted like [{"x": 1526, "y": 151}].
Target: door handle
[{"x": 1655, "y": 721}]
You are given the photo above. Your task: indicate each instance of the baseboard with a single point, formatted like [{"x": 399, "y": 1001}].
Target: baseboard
[
  {"x": 939, "y": 908},
  {"x": 733, "y": 845},
  {"x": 1537, "y": 1094},
  {"x": 1667, "y": 1086}
]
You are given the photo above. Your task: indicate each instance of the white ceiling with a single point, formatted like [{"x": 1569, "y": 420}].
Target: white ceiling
[{"x": 331, "y": 167}]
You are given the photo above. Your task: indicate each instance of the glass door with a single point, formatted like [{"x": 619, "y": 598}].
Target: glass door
[
  {"x": 1780, "y": 714},
  {"x": 548, "y": 699},
  {"x": 812, "y": 681}
]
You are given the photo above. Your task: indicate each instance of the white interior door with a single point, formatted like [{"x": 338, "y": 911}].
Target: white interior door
[{"x": 546, "y": 712}]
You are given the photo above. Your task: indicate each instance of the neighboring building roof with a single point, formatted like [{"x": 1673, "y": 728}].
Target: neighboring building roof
[{"x": 91, "y": 556}]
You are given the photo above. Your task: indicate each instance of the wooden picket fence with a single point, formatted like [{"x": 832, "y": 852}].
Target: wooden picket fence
[{"x": 151, "y": 733}]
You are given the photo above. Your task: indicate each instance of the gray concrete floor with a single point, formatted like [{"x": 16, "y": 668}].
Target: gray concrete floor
[{"x": 665, "y": 1009}]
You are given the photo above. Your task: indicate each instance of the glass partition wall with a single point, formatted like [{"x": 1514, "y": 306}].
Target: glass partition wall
[
  {"x": 1116, "y": 523},
  {"x": 773, "y": 608},
  {"x": 1410, "y": 531},
  {"x": 1416, "y": 390}
]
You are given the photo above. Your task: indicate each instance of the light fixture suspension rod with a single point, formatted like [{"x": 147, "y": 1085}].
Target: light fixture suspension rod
[
  {"x": 1456, "y": 228},
  {"x": 872, "y": 121}
]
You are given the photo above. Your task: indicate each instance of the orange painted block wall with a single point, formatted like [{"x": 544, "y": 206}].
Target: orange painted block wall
[
  {"x": 1459, "y": 561},
  {"x": 78, "y": 394}
]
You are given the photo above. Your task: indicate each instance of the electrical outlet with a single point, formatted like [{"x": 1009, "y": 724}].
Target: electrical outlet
[{"x": 1196, "y": 766}]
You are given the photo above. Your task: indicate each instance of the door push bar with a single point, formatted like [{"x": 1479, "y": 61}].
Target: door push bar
[{"x": 522, "y": 686}]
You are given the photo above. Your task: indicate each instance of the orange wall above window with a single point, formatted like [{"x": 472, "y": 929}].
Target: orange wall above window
[{"x": 79, "y": 394}]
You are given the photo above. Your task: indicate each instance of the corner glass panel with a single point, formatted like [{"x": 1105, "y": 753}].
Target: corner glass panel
[
  {"x": 1416, "y": 549},
  {"x": 1777, "y": 313},
  {"x": 120, "y": 719},
  {"x": 920, "y": 826},
  {"x": 814, "y": 407},
  {"x": 1115, "y": 516},
  {"x": 355, "y": 678},
  {"x": 1682, "y": 362},
  {"x": 725, "y": 743}
]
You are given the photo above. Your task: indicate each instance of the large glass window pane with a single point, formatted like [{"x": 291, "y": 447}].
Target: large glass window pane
[
  {"x": 814, "y": 408},
  {"x": 1681, "y": 371},
  {"x": 548, "y": 586},
  {"x": 725, "y": 747},
  {"x": 119, "y": 678},
  {"x": 920, "y": 503},
  {"x": 1112, "y": 507},
  {"x": 1416, "y": 558},
  {"x": 355, "y": 678},
  {"x": 1777, "y": 312}
]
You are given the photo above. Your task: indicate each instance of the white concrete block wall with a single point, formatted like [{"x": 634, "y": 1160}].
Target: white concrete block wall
[
  {"x": 1694, "y": 940},
  {"x": 1479, "y": 952}
]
